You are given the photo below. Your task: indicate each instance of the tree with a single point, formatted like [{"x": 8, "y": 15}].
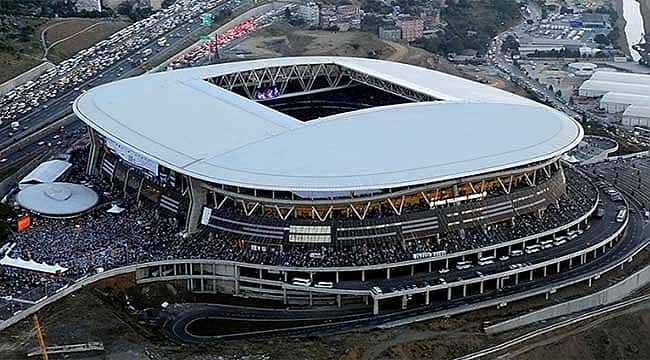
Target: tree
[{"x": 602, "y": 39}]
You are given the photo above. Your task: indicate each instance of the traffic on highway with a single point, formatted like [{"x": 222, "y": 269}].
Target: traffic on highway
[{"x": 50, "y": 95}]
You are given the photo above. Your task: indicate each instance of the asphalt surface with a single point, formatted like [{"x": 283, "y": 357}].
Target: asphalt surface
[
  {"x": 635, "y": 238},
  {"x": 61, "y": 105}
]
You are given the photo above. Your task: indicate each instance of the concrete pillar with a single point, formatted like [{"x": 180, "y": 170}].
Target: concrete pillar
[
  {"x": 338, "y": 300},
  {"x": 311, "y": 299},
  {"x": 570, "y": 263},
  {"x": 558, "y": 267},
  {"x": 337, "y": 277},
  {"x": 544, "y": 271},
  {"x": 363, "y": 275},
  {"x": 375, "y": 306},
  {"x": 447, "y": 263},
  {"x": 412, "y": 270},
  {"x": 284, "y": 295},
  {"x": 590, "y": 282},
  {"x": 197, "y": 201},
  {"x": 126, "y": 181},
  {"x": 388, "y": 274},
  {"x": 531, "y": 275},
  {"x": 91, "y": 166},
  {"x": 481, "y": 290},
  {"x": 448, "y": 293},
  {"x": 237, "y": 275},
  {"x": 426, "y": 298},
  {"x": 499, "y": 283},
  {"x": 405, "y": 302},
  {"x": 464, "y": 290},
  {"x": 430, "y": 266},
  {"x": 548, "y": 294},
  {"x": 516, "y": 278}
]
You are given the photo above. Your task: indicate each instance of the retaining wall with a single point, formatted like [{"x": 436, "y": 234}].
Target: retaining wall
[
  {"x": 614, "y": 293},
  {"x": 27, "y": 76}
]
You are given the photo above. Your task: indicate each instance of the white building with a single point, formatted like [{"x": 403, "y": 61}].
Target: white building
[
  {"x": 613, "y": 102},
  {"x": 582, "y": 68},
  {"x": 637, "y": 115},
  {"x": 596, "y": 88},
  {"x": 309, "y": 13},
  {"x": 89, "y": 5}
]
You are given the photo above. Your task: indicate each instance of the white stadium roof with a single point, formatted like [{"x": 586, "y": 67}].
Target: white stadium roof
[{"x": 204, "y": 131}]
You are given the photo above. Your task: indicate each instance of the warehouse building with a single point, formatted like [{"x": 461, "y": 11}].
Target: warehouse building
[{"x": 637, "y": 115}]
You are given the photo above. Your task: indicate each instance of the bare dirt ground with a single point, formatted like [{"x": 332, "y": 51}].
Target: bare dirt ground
[
  {"x": 618, "y": 336},
  {"x": 66, "y": 27},
  {"x": 81, "y": 41},
  {"x": 281, "y": 40}
]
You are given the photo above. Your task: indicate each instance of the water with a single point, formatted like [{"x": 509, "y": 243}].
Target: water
[{"x": 633, "y": 26}]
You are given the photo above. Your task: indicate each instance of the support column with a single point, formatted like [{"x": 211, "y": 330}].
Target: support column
[
  {"x": 590, "y": 282},
  {"x": 197, "y": 201},
  {"x": 544, "y": 271},
  {"x": 405, "y": 302},
  {"x": 338, "y": 300},
  {"x": 516, "y": 278},
  {"x": 426, "y": 298},
  {"x": 481, "y": 291},
  {"x": 531, "y": 275},
  {"x": 363, "y": 275},
  {"x": 448, "y": 294},
  {"x": 237, "y": 275},
  {"x": 126, "y": 181},
  {"x": 337, "y": 277},
  {"x": 388, "y": 274},
  {"x": 558, "y": 267},
  {"x": 464, "y": 290},
  {"x": 93, "y": 156},
  {"x": 375, "y": 306}
]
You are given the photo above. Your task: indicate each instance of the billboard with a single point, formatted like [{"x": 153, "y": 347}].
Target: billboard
[
  {"x": 132, "y": 157},
  {"x": 24, "y": 223}
]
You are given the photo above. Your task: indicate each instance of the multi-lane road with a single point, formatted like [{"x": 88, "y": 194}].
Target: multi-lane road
[{"x": 59, "y": 106}]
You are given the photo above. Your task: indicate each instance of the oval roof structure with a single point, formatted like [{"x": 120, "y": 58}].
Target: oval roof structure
[
  {"x": 189, "y": 125},
  {"x": 57, "y": 199}
]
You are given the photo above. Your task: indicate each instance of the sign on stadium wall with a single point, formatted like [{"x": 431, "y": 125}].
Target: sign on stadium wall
[{"x": 133, "y": 157}]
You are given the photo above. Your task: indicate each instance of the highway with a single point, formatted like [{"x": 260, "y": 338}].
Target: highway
[
  {"x": 506, "y": 65},
  {"x": 130, "y": 63}
]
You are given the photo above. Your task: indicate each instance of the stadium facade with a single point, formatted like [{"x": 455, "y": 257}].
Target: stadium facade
[{"x": 332, "y": 169}]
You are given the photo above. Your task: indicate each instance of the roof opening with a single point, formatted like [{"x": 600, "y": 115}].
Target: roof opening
[{"x": 308, "y": 92}]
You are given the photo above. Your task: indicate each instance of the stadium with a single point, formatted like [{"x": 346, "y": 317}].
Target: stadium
[{"x": 347, "y": 181}]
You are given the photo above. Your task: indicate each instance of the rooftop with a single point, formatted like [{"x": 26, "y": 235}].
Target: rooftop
[{"x": 240, "y": 142}]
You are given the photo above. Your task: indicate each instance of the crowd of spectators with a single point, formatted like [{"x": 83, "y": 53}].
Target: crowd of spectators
[{"x": 100, "y": 240}]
